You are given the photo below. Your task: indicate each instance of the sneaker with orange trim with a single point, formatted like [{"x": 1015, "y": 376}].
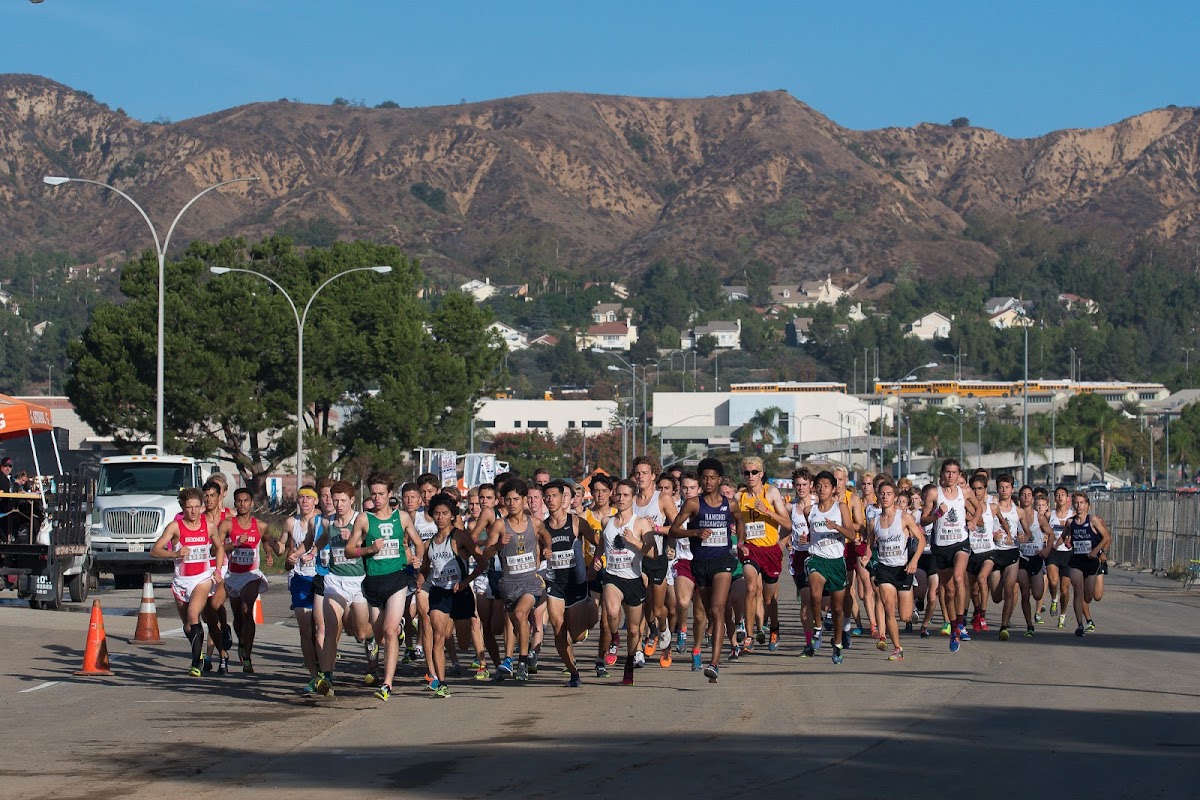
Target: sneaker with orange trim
[
  {"x": 664, "y": 660},
  {"x": 650, "y": 647}
]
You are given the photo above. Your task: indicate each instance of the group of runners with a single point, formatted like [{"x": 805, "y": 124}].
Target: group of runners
[{"x": 426, "y": 575}]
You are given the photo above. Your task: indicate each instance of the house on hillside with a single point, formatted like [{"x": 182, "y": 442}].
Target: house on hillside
[
  {"x": 855, "y": 314},
  {"x": 929, "y": 327},
  {"x": 608, "y": 336},
  {"x": 546, "y": 339},
  {"x": 479, "y": 289},
  {"x": 820, "y": 292},
  {"x": 735, "y": 294},
  {"x": 1010, "y": 318},
  {"x": 786, "y": 295},
  {"x": 611, "y": 312},
  {"x": 797, "y": 330},
  {"x": 1074, "y": 302},
  {"x": 515, "y": 339},
  {"x": 727, "y": 334}
]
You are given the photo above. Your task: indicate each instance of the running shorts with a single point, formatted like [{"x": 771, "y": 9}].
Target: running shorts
[
  {"x": 1004, "y": 559},
  {"x": 301, "y": 588},
  {"x": 976, "y": 561},
  {"x": 236, "y": 581},
  {"x": 1088, "y": 566},
  {"x": 1034, "y": 565},
  {"x": 767, "y": 560},
  {"x": 893, "y": 576},
  {"x": 705, "y": 569},
  {"x": 683, "y": 569},
  {"x": 569, "y": 593},
  {"x": 943, "y": 555},
  {"x": 1059, "y": 558},
  {"x": 513, "y": 589},
  {"x": 344, "y": 589},
  {"x": 378, "y": 589},
  {"x": 833, "y": 570},
  {"x": 457, "y": 605},
  {"x": 925, "y": 563},
  {"x": 183, "y": 586},
  {"x": 655, "y": 569},
  {"x": 633, "y": 591},
  {"x": 799, "y": 576}
]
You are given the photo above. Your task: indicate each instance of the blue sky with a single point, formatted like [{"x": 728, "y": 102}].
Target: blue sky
[{"x": 1022, "y": 68}]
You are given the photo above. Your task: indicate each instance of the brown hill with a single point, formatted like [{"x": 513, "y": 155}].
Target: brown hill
[{"x": 524, "y": 185}]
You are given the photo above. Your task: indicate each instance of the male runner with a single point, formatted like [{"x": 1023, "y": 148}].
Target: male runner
[
  {"x": 685, "y": 582},
  {"x": 982, "y": 537},
  {"x": 950, "y": 511},
  {"x": 343, "y": 595},
  {"x": 651, "y": 505},
  {"x": 572, "y": 611},
  {"x": 628, "y": 538},
  {"x": 1034, "y": 548},
  {"x": 1058, "y": 562},
  {"x": 1014, "y": 524},
  {"x": 764, "y": 516},
  {"x": 798, "y": 545},
  {"x": 596, "y": 518},
  {"x": 830, "y": 528},
  {"x": 245, "y": 581},
  {"x": 891, "y": 531},
  {"x": 295, "y": 545},
  {"x": 1089, "y": 539},
  {"x": 451, "y": 601}
]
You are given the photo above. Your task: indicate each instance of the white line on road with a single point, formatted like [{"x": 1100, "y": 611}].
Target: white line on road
[
  {"x": 39, "y": 687},
  {"x": 173, "y": 632}
]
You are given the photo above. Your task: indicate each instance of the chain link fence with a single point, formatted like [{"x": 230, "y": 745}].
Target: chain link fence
[{"x": 1155, "y": 530}]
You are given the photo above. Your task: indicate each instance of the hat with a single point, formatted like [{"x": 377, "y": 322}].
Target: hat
[{"x": 5, "y": 462}]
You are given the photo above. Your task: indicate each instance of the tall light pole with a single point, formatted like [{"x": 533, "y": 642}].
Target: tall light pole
[
  {"x": 633, "y": 372},
  {"x": 1187, "y": 359},
  {"x": 161, "y": 249},
  {"x": 961, "y": 418},
  {"x": 1074, "y": 377},
  {"x": 301, "y": 318},
  {"x": 980, "y": 416},
  {"x": 899, "y": 410},
  {"x": 957, "y": 359},
  {"x": 1025, "y": 405},
  {"x": 633, "y": 388}
]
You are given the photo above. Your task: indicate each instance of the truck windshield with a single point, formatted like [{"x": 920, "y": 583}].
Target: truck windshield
[{"x": 161, "y": 479}]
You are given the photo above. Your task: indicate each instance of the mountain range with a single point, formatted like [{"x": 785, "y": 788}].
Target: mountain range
[{"x": 585, "y": 183}]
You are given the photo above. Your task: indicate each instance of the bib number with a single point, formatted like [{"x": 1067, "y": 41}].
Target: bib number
[
  {"x": 562, "y": 559},
  {"x": 194, "y": 553},
  {"x": 1029, "y": 549},
  {"x": 339, "y": 557},
  {"x": 620, "y": 559},
  {"x": 717, "y": 537},
  {"x": 242, "y": 556},
  {"x": 756, "y": 530},
  {"x": 521, "y": 563},
  {"x": 1082, "y": 546},
  {"x": 306, "y": 566},
  {"x": 391, "y": 549}
]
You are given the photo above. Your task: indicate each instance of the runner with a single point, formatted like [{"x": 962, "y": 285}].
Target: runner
[
  {"x": 1014, "y": 525},
  {"x": 343, "y": 598},
  {"x": 949, "y": 510},
  {"x": 628, "y": 539},
  {"x": 891, "y": 532},
  {"x": 650, "y": 504},
  {"x": 218, "y": 621},
  {"x": 1058, "y": 562},
  {"x": 668, "y": 487},
  {"x": 187, "y": 542},
  {"x": 451, "y": 601},
  {"x": 296, "y": 546},
  {"x": 853, "y": 550},
  {"x": 490, "y": 616},
  {"x": 535, "y": 506},
  {"x": 764, "y": 516},
  {"x": 798, "y": 545},
  {"x": 596, "y": 517},
  {"x": 1089, "y": 539},
  {"x": 379, "y": 538},
  {"x": 1034, "y": 549},
  {"x": 983, "y": 534},
  {"x": 685, "y": 583},
  {"x": 830, "y": 528},
  {"x": 323, "y": 554},
  {"x": 572, "y": 611},
  {"x": 934, "y": 593},
  {"x": 245, "y": 581},
  {"x": 735, "y": 606},
  {"x": 520, "y": 540}
]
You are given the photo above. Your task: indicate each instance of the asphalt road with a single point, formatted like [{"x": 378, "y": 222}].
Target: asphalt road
[{"x": 1116, "y": 714}]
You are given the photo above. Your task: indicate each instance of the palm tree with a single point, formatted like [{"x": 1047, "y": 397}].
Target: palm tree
[{"x": 767, "y": 426}]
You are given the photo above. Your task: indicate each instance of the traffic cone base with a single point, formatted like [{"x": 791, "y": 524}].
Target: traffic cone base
[
  {"x": 95, "y": 653},
  {"x": 147, "y": 624}
]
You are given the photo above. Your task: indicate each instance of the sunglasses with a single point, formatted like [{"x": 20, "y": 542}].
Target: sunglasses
[{"x": 751, "y": 471}]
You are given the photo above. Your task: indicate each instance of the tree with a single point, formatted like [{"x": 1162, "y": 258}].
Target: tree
[
  {"x": 706, "y": 344},
  {"x": 960, "y": 122},
  {"x": 230, "y": 382}
]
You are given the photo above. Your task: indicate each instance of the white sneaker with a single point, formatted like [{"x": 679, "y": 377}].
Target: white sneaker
[
  {"x": 664, "y": 640},
  {"x": 639, "y": 660}
]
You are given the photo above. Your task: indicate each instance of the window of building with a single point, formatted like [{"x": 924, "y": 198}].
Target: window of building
[
  {"x": 537, "y": 423},
  {"x": 592, "y": 423},
  {"x": 516, "y": 423},
  {"x": 485, "y": 423}
]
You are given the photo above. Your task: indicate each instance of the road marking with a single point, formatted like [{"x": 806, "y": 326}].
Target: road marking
[
  {"x": 173, "y": 632},
  {"x": 39, "y": 687},
  {"x": 282, "y": 622}
]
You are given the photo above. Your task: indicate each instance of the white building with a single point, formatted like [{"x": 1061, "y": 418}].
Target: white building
[
  {"x": 511, "y": 336},
  {"x": 727, "y": 334},
  {"x": 608, "y": 336},
  {"x": 929, "y": 327},
  {"x": 554, "y": 417},
  {"x": 479, "y": 289}
]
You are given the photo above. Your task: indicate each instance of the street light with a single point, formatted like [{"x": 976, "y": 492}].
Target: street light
[
  {"x": 633, "y": 388},
  {"x": 1025, "y": 403},
  {"x": 957, "y": 359},
  {"x": 867, "y": 422},
  {"x": 980, "y": 416},
  {"x": 899, "y": 409},
  {"x": 1187, "y": 359},
  {"x": 161, "y": 250},
  {"x": 961, "y": 418},
  {"x": 800, "y": 426},
  {"x": 301, "y": 318}
]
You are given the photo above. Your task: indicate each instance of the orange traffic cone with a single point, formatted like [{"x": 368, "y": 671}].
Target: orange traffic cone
[
  {"x": 258, "y": 615},
  {"x": 95, "y": 654},
  {"x": 147, "y": 624}
]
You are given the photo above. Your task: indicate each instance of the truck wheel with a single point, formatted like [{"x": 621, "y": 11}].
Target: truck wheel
[
  {"x": 57, "y": 580},
  {"x": 126, "y": 581},
  {"x": 34, "y": 603},
  {"x": 77, "y": 585}
]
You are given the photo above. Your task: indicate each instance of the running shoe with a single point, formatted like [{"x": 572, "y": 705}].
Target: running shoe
[
  {"x": 649, "y": 645},
  {"x": 874, "y": 632},
  {"x": 1062, "y": 620},
  {"x": 522, "y": 673},
  {"x": 441, "y": 691},
  {"x": 482, "y": 674},
  {"x": 196, "y": 669},
  {"x": 739, "y": 634},
  {"x": 575, "y": 681},
  {"x": 601, "y": 671},
  {"x": 454, "y": 671},
  {"x": 431, "y": 682},
  {"x": 837, "y": 654},
  {"x": 954, "y": 644},
  {"x": 566, "y": 673},
  {"x": 681, "y": 641},
  {"x": 697, "y": 664},
  {"x": 1003, "y": 634},
  {"x": 383, "y": 693},
  {"x": 983, "y": 624},
  {"x": 664, "y": 640},
  {"x": 505, "y": 670},
  {"x": 369, "y": 679},
  {"x": 371, "y": 648},
  {"x": 946, "y": 629},
  {"x": 1029, "y": 633},
  {"x": 208, "y": 665},
  {"x": 735, "y": 653},
  {"x": 664, "y": 660},
  {"x": 908, "y": 627},
  {"x": 881, "y": 644},
  {"x": 223, "y": 666},
  {"x": 773, "y": 645},
  {"x": 1079, "y": 631},
  {"x": 247, "y": 666},
  {"x": 817, "y": 639},
  {"x": 712, "y": 673},
  {"x": 226, "y": 638},
  {"x": 808, "y": 652},
  {"x": 924, "y": 632},
  {"x": 1037, "y": 618},
  {"x": 827, "y": 622},
  {"x": 708, "y": 640},
  {"x": 419, "y": 653},
  {"x": 1053, "y": 607},
  {"x": 975, "y": 622},
  {"x": 627, "y": 680},
  {"x": 897, "y": 654},
  {"x": 963, "y": 636},
  {"x": 639, "y": 660},
  {"x": 857, "y": 630},
  {"x": 760, "y": 635},
  {"x": 1090, "y": 626},
  {"x": 409, "y": 657},
  {"x": 476, "y": 664},
  {"x": 610, "y": 657},
  {"x": 533, "y": 659},
  {"x": 310, "y": 688}
]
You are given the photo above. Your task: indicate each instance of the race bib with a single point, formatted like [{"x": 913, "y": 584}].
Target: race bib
[
  {"x": 562, "y": 559},
  {"x": 449, "y": 573},
  {"x": 306, "y": 566},
  {"x": 981, "y": 540},
  {"x": 521, "y": 563},
  {"x": 756, "y": 530},
  {"x": 242, "y": 556},
  {"x": 323, "y": 558},
  {"x": 339, "y": 557},
  {"x": 892, "y": 548},
  {"x": 717, "y": 537},
  {"x": 1082, "y": 546},
  {"x": 620, "y": 559},
  {"x": 391, "y": 549},
  {"x": 1029, "y": 548},
  {"x": 196, "y": 552}
]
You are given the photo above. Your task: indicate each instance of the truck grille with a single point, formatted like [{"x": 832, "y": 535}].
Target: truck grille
[{"x": 133, "y": 523}]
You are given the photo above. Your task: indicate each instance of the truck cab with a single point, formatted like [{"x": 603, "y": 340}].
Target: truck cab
[{"x": 136, "y": 498}]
